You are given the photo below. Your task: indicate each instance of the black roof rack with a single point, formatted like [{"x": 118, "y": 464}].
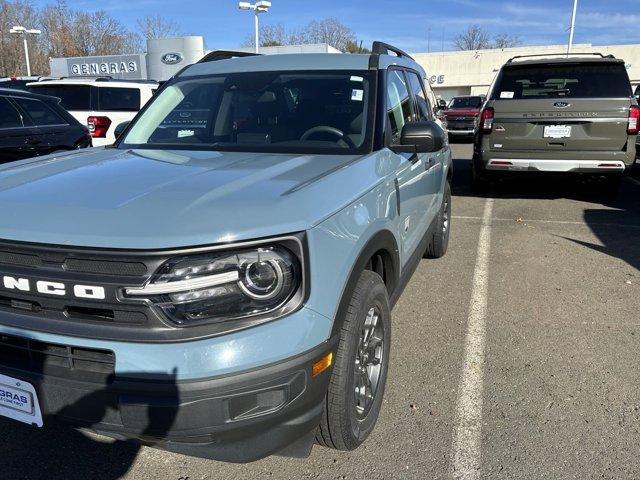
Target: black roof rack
[
  {"x": 381, "y": 48},
  {"x": 517, "y": 57},
  {"x": 225, "y": 55}
]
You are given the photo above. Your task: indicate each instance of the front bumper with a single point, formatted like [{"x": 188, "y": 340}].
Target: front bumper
[{"x": 236, "y": 418}]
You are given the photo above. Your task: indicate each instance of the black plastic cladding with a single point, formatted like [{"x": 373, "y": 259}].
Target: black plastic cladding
[{"x": 116, "y": 318}]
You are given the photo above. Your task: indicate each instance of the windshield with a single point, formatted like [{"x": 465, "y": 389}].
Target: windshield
[
  {"x": 466, "y": 102},
  {"x": 278, "y": 112},
  {"x": 597, "y": 80}
]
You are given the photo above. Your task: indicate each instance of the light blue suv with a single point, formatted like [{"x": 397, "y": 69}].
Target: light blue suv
[{"x": 220, "y": 281}]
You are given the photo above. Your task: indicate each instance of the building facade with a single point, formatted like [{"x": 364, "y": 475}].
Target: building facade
[
  {"x": 472, "y": 72},
  {"x": 164, "y": 58}
]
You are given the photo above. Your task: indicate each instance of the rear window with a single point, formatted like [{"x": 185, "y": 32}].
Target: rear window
[
  {"x": 9, "y": 116},
  {"x": 72, "y": 97},
  {"x": 562, "y": 81},
  {"x": 118, "y": 99},
  {"x": 466, "y": 102},
  {"x": 41, "y": 113}
]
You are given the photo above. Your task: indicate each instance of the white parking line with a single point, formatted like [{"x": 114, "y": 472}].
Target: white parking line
[
  {"x": 467, "y": 435},
  {"x": 559, "y": 222}
]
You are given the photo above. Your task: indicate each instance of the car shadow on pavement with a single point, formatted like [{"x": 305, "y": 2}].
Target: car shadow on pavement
[
  {"x": 58, "y": 451},
  {"x": 614, "y": 218},
  {"x": 538, "y": 186}
]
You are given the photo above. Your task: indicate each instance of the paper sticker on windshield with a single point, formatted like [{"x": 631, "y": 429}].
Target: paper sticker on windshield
[
  {"x": 357, "y": 95},
  {"x": 357, "y": 79},
  {"x": 507, "y": 94},
  {"x": 185, "y": 133}
]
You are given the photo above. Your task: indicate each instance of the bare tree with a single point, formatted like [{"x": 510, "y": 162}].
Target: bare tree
[
  {"x": 506, "y": 41},
  {"x": 70, "y": 33},
  {"x": 156, "y": 26},
  {"x": 329, "y": 30},
  {"x": 19, "y": 12},
  {"x": 474, "y": 38},
  {"x": 354, "y": 47},
  {"x": 270, "y": 36}
]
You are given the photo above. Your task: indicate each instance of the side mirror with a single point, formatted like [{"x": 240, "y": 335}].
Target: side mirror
[
  {"x": 120, "y": 129},
  {"x": 442, "y": 104},
  {"x": 421, "y": 137}
]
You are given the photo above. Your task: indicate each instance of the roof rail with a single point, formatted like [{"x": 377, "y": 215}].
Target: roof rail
[
  {"x": 381, "y": 48},
  {"x": 517, "y": 57},
  {"x": 225, "y": 55},
  {"x": 82, "y": 77}
]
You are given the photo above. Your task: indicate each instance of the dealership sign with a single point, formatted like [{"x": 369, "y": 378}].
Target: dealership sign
[
  {"x": 103, "y": 68},
  {"x": 122, "y": 67},
  {"x": 436, "y": 79}
]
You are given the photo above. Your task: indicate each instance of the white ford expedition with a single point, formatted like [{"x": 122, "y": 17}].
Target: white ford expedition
[{"x": 101, "y": 103}]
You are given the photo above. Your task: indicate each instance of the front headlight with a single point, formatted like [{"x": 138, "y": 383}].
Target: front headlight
[{"x": 225, "y": 286}]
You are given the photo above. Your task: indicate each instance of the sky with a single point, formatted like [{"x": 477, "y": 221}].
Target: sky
[{"x": 408, "y": 24}]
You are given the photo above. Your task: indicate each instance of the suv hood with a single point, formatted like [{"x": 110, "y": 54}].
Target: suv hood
[{"x": 153, "y": 199}]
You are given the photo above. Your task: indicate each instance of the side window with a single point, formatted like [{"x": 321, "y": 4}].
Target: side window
[
  {"x": 399, "y": 108},
  {"x": 9, "y": 116},
  {"x": 113, "y": 99},
  {"x": 41, "y": 113},
  {"x": 423, "y": 108}
]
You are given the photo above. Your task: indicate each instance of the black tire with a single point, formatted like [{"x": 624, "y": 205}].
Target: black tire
[
  {"x": 611, "y": 183},
  {"x": 343, "y": 426},
  {"x": 439, "y": 242},
  {"x": 479, "y": 178}
]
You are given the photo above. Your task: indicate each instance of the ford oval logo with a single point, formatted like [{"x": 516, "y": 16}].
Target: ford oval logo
[
  {"x": 562, "y": 105},
  {"x": 171, "y": 58}
]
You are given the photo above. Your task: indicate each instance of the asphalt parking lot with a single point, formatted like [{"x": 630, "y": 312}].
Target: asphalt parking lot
[{"x": 516, "y": 360}]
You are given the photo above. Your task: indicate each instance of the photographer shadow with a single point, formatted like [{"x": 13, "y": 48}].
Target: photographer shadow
[{"x": 59, "y": 451}]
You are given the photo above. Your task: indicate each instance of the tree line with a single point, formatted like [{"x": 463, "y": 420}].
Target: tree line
[
  {"x": 329, "y": 30},
  {"x": 67, "y": 32},
  {"x": 477, "y": 38}
]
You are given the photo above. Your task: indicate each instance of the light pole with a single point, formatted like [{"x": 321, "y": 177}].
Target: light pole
[
  {"x": 258, "y": 8},
  {"x": 19, "y": 30},
  {"x": 572, "y": 27}
]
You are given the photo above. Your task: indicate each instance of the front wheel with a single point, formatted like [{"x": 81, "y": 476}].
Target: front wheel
[
  {"x": 356, "y": 389},
  {"x": 439, "y": 241}
]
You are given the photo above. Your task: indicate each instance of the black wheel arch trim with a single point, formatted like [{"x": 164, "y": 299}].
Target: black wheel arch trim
[{"x": 382, "y": 240}]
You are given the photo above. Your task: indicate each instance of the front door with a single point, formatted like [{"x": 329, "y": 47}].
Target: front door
[{"x": 412, "y": 178}]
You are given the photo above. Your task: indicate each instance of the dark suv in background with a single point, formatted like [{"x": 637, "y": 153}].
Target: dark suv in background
[
  {"x": 33, "y": 125},
  {"x": 462, "y": 114},
  {"x": 563, "y": 115}
]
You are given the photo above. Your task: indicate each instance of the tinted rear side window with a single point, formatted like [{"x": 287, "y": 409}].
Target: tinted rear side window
[
  {"x": 9, "y": 116},
  {"x": 118, "y": 99},
  {"x": 41, "y": 113},
  {"x": 597, "y": 80},
  {"x": 72, "y": 97}
]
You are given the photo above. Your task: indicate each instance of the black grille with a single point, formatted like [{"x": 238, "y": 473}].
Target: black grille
[
  {"x": 127, "y": 269},
  {"x": 11, "y": 258},
  {"x": 56, "y": 360}
]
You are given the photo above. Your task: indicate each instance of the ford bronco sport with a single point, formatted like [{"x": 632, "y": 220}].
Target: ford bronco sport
[
  {"x": 558, "y": 115},
  {"x": 219, "y": 282}
]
